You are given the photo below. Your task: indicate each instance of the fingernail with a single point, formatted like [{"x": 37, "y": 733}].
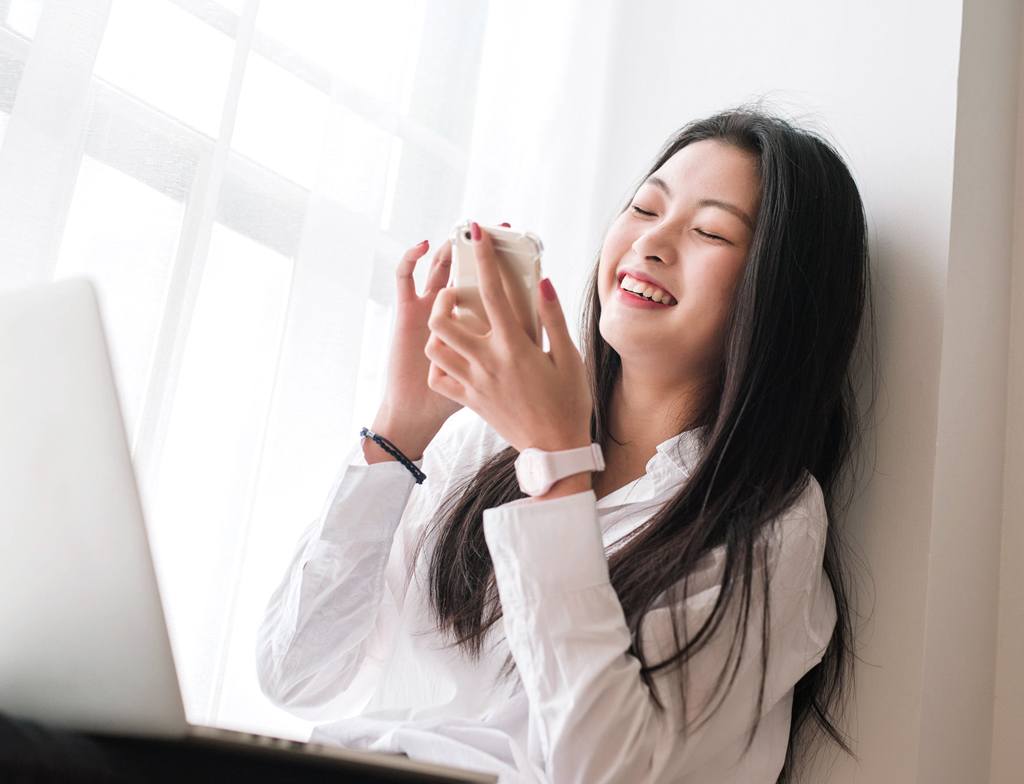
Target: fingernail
[
  {"x": 507, "y": 225},
  {"x": 422, "y": 243},
  {"x": 474, "y": 230},
  {"x": 547, "y": 289}
]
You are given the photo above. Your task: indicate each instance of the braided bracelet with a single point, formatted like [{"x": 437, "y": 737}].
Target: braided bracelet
[{"x": 394, "y": 451}]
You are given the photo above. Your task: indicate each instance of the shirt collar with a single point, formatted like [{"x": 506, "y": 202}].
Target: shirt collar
[
  {"x": 679, "y": 453},
  {"x": 671, "y": 464}
]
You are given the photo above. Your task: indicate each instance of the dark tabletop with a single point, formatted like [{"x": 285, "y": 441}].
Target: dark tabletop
[{"x": 32, "y": 752}]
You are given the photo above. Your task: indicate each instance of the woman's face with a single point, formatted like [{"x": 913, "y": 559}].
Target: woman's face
[{"x": 689, "y": 229}]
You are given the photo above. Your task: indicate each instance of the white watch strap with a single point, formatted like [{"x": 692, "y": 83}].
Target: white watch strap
[{"x": 575, "y": 461}]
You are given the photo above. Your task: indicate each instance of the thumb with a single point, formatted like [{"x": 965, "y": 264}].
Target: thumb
[{"x": 553, "y": 320}]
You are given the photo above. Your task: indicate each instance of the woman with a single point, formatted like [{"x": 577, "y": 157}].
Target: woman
[{"x": 679, "y": 616}]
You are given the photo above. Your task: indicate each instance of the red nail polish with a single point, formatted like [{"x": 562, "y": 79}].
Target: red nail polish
[
  {"x": 474, "y": 230},
  {"x": 547, "y": 289},
  {"x": 507, "y": 225}
]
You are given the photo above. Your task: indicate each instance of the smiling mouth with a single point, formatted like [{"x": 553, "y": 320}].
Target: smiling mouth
[
  {"x": 630, "y": 285},
  {"x": 638, "y": 298}
]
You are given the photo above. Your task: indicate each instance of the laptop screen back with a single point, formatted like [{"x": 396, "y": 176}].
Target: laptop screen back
[{"x": 84, "y": 643}]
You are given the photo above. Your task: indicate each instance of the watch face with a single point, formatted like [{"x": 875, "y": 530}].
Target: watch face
[{"x": 526, "y": 472}]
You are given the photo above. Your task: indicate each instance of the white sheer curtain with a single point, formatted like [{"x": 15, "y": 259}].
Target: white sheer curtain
[{"x": 239, "y": 179}]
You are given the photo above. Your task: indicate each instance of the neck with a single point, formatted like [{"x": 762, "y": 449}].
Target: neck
[{"x": 643, "y": 415}]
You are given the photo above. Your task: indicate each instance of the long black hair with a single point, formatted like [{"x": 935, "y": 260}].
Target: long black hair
[{"x": 784, "y": 403}]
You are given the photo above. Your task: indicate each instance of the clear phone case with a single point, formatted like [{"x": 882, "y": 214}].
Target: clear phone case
[{"x": 519, "y": 258}]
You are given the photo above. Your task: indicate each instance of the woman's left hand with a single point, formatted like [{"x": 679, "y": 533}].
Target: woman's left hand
[{"x": 531, "y": 397}]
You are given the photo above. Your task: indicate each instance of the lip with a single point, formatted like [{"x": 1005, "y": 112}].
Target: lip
[
  {"x": 645, "y": 278},
  {"x": 635, "y": 301}
]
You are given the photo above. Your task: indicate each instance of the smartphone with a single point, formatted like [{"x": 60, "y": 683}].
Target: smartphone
[{"x": 518, "y": 254}]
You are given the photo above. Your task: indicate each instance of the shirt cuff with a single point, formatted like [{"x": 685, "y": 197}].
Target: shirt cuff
[
  {"x": 358, "y": 457},
  {"x": 367, "y": 501},
  {"x": 546, "y": 545}
]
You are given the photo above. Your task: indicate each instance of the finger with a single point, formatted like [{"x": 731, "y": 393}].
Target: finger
[
  {"x": 452, "y": 330},
  {"x": 471, "y": 321},
  {"x": 552, "y": 318},
  {"x": 441, "y": 269},
  {"x": 443, "y": 384},
  {"x": 449, "y": 360},
  {"x": 492, "y": 289},
  {"x": 403, "y": 272}
]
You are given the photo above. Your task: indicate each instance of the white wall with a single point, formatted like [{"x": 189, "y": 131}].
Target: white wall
[
  {"x": 1008, "y": 707},
  {"x": 882, "y": 78},
  {"x": 963, "y": 575}
]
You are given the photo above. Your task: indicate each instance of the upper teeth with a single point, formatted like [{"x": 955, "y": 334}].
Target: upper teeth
[{"x": 629, "y": 283}]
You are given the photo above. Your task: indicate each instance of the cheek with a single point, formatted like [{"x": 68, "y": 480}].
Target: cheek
[
  {"x": 616, "y": 244},
  {"x": 727, "y": 280},
  {"x": 708, "y": 283},
  {"x": 605, "y": 274},
  {"x": 716, "y": 293}
]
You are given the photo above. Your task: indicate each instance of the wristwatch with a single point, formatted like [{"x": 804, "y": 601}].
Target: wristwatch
[{"x": 538, "y": 470}]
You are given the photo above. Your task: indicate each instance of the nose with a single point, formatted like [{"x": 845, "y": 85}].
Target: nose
[{"x": 656, "y": 244}]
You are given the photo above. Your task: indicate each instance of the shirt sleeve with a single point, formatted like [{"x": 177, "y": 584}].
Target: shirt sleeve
[
  {"x": 333, "y": 615},
  {"x": 593, "y": 714}
]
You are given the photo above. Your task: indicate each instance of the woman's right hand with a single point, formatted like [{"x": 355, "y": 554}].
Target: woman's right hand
[{"x": 412, "y": 411}]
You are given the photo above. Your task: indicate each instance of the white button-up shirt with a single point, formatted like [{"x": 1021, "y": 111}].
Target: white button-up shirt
[{"x": 348, "y": 634}]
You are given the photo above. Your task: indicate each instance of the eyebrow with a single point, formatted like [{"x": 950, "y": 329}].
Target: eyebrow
[{"x": 660, "y": 183}]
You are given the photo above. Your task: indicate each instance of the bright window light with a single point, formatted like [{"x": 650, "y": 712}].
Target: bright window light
[
  {"x": 124, "y": 235},
  {"x": 168, "y": 58},
  {"x": 23, "y": 16},
  {"x": 281, "y": 121},
  {"x": 214, "y": 442}
]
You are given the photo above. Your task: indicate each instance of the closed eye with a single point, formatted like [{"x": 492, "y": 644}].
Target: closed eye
[{"x": 710, "y": 236}]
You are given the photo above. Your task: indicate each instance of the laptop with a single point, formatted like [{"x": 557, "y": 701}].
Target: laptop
[{"x": 85, "y": 644}]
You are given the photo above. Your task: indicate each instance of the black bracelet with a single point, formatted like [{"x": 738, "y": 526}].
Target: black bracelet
[{"x": 393, "y": 450}]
